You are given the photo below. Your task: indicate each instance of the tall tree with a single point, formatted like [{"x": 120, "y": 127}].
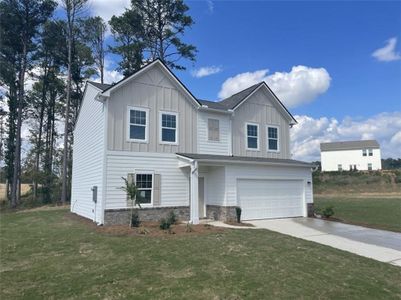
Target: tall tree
[
  {"x": 94, "y": 30},
  {"x": 22, "y": 19},
  {"x": 72, "y": 9},
  {"x": 152, "y": 29},
  {"x": 128, "y": 33}
]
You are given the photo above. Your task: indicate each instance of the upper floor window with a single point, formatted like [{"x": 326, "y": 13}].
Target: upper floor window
[
  {"x": 370, "y": 152},
  {"x": 364, "y": 152},
  {"x": 252, "y": 131},
  {"x": 144, "y": 183},
  {"x": 213, "y": 126},
  {"x": 138, "y": 124},
  {"x": 168, "y": 127},
  {"x": 272, "y": 138}
]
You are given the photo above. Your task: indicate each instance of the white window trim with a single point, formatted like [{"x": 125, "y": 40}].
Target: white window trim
[
  {"x": 207, "y": 126},
  {"x": 146, "y": 110},
  {"x": 161, "y": 112},
  {"x": 278, "y": 138},
  {"x": 257, "y": 137},
  {"x": 147, "y": 172}
]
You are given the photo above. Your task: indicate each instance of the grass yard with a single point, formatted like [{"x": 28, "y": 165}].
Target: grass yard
[
  {"x": 49, "y": 254},
  {"x": 382, "y": 212}
]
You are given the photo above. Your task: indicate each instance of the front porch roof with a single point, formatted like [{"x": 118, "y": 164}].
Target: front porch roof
[{"x": 210, "y": 158}]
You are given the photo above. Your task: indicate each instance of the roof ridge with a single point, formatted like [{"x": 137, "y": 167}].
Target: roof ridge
[{"x": 254, "y": 85}]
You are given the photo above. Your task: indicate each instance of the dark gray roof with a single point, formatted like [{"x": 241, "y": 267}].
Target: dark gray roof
[
  {"x": 101, "y": 86},
  {"x": 213, "y": 104},
  {"x": 232, "y": 101},
  {"x": 217, "y": 158},
  {"x": 349, "y": 145}
]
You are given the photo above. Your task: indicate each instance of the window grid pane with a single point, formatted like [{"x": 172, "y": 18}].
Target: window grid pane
[
  {"x": 272, "y": 132},
  {"x": 137, "y": 117},
  {"x": 252, "y": 130},
  {"x": 169, "y": 121}
]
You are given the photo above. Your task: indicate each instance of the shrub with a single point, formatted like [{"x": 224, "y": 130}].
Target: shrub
[
  {"x": 189, "y": 228},
  {"x": 328, "y": 211},
  {"x": 143, "y": 230},
  {"x": 135, "y": 221},
  {"x": 238, "y": 211},
  {"x": 164, "y": 224},
  {"x": 172, "y": 218}
]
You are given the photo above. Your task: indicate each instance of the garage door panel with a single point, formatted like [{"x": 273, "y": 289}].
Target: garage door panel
[{"x": 260, "y": 199}]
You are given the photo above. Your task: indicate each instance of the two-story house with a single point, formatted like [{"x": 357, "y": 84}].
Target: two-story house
[
  {"x": 199, "y": 158},
  {"x": 361, "y": 155}
]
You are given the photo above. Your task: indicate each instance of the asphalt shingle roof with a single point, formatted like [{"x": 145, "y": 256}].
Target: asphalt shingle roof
[
  {"x": 101, "y": 86},
  {"x": 349, "y": 145}
]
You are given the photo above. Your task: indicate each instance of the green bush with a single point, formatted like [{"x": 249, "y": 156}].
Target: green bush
[
  {"x": 328, "y": 211},
  {"x": 135, "y": 221},
  {"x": 172, "y": 218},
  {"x": 189, "y": 228},
  {"x": 164, "y": 224},
  {"x": 238, "y": 211}
]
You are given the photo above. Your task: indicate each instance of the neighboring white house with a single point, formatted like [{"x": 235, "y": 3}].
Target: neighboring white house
[
  {"x": 199, "y": 158},
  {"x": 351, "y": 155}
]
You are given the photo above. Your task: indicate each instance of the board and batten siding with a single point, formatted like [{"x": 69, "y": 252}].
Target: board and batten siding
[
  {"x": 220, "y": 147},
  {"x": 259, "y": 109},
  {"x": 237, "y": 172},
  {"x": 156, "y": 91},
  {"x": 174, "y": 187},
  {"x": 88, "y": 157}
]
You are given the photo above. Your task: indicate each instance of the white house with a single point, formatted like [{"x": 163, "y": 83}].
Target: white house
[
  {"x": 199, "y": 158},
  {"x": 351, "y": 155}
]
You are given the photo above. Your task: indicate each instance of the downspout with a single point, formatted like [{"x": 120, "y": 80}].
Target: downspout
[{"x": 105, "y": 146}]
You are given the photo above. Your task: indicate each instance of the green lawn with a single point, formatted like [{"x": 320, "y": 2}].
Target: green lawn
[
  {"x": 47, "y": 254},
  {"x": 377, "y": 212}
]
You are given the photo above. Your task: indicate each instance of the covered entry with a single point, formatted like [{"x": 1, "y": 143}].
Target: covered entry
[{"x": 262, "y": 198}]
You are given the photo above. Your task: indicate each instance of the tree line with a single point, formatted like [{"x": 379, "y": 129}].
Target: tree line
[{"x": 56, "y": 48}]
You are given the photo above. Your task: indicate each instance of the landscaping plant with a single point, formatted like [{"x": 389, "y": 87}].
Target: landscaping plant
[
  {"x": 133, "y": 195},
  {"x": 172, "y": 218},
  {"x": 238, "y": 211},
  {"x": 164, "y": 224},
  {"x": 328, "y": 211}
]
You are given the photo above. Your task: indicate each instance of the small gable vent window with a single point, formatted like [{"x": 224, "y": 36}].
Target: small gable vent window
[
  {"x": 138, "y": 124},
  {"x": 252, "y": 131},
  {"x": 213, "y": 129},
  {"x": 168, "y": 122}
]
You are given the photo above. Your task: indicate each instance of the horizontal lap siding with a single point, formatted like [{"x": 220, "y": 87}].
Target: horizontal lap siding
[
  {"x": 221, "y": 147},
  {"x": 234, "y": 172},
  {"x": 87, "y": 166},
  {"x": 174, "y": 181}
]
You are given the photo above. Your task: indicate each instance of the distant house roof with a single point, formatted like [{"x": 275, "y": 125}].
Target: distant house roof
[
  {"x": 242, "y": 159},
  {"x": 225, "y": 105},
  {"x": 350, "y": 145}
]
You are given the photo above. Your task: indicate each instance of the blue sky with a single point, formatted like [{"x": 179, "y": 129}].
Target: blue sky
[{"x": 317, "y": 56}]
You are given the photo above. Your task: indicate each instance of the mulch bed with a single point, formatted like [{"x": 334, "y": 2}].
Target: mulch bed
[
  {"x": 239, "y": 224},
  {"x": 153, "y": 229},
  {"x": 148, "y": 228}
]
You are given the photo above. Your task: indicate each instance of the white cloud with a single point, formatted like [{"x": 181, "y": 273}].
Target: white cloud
[
  {"x": 110, "y": 74},
  {"x": 387, "y": 53},
  {"x": 301, "y": 85},
  {"x": 210, "y": 6},
  {"x": 307, "y": 135},
  {"x": 206, "y": 71},
  {"x": 107, "y": 8}
]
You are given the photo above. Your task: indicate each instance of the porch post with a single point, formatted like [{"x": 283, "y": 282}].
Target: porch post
[{"x": 194, "y": 205}]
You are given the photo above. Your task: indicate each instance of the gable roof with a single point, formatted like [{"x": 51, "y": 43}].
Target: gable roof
[
  {"x": 100, "y": 86},
  {"x": 225, "y": 105},
  {"x": 349, "y": 145},
  {"x": 147, "y": 66}
]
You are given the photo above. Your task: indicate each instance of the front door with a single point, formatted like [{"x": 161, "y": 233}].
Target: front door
[{"x": 201, "y": 197}]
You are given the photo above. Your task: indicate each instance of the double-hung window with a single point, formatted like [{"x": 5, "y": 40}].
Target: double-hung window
[
  {"x": 252, "y": 131},
  {"x": 364, "y": 152},
  {"x": 138, "y": 124},
  {"x": 272, "y": 138},
  {"x": 370, "y": 152},
  {"x": 370, "y": 168},
  {"x": 144, "y": 184},
  {"x": 213, "y": 129},
  {"x": 168, "y": 127},
  {"x": 339, "y": 167}
]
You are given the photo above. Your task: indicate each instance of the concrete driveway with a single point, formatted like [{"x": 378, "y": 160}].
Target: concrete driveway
[{"x": 380, "y": 245}]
